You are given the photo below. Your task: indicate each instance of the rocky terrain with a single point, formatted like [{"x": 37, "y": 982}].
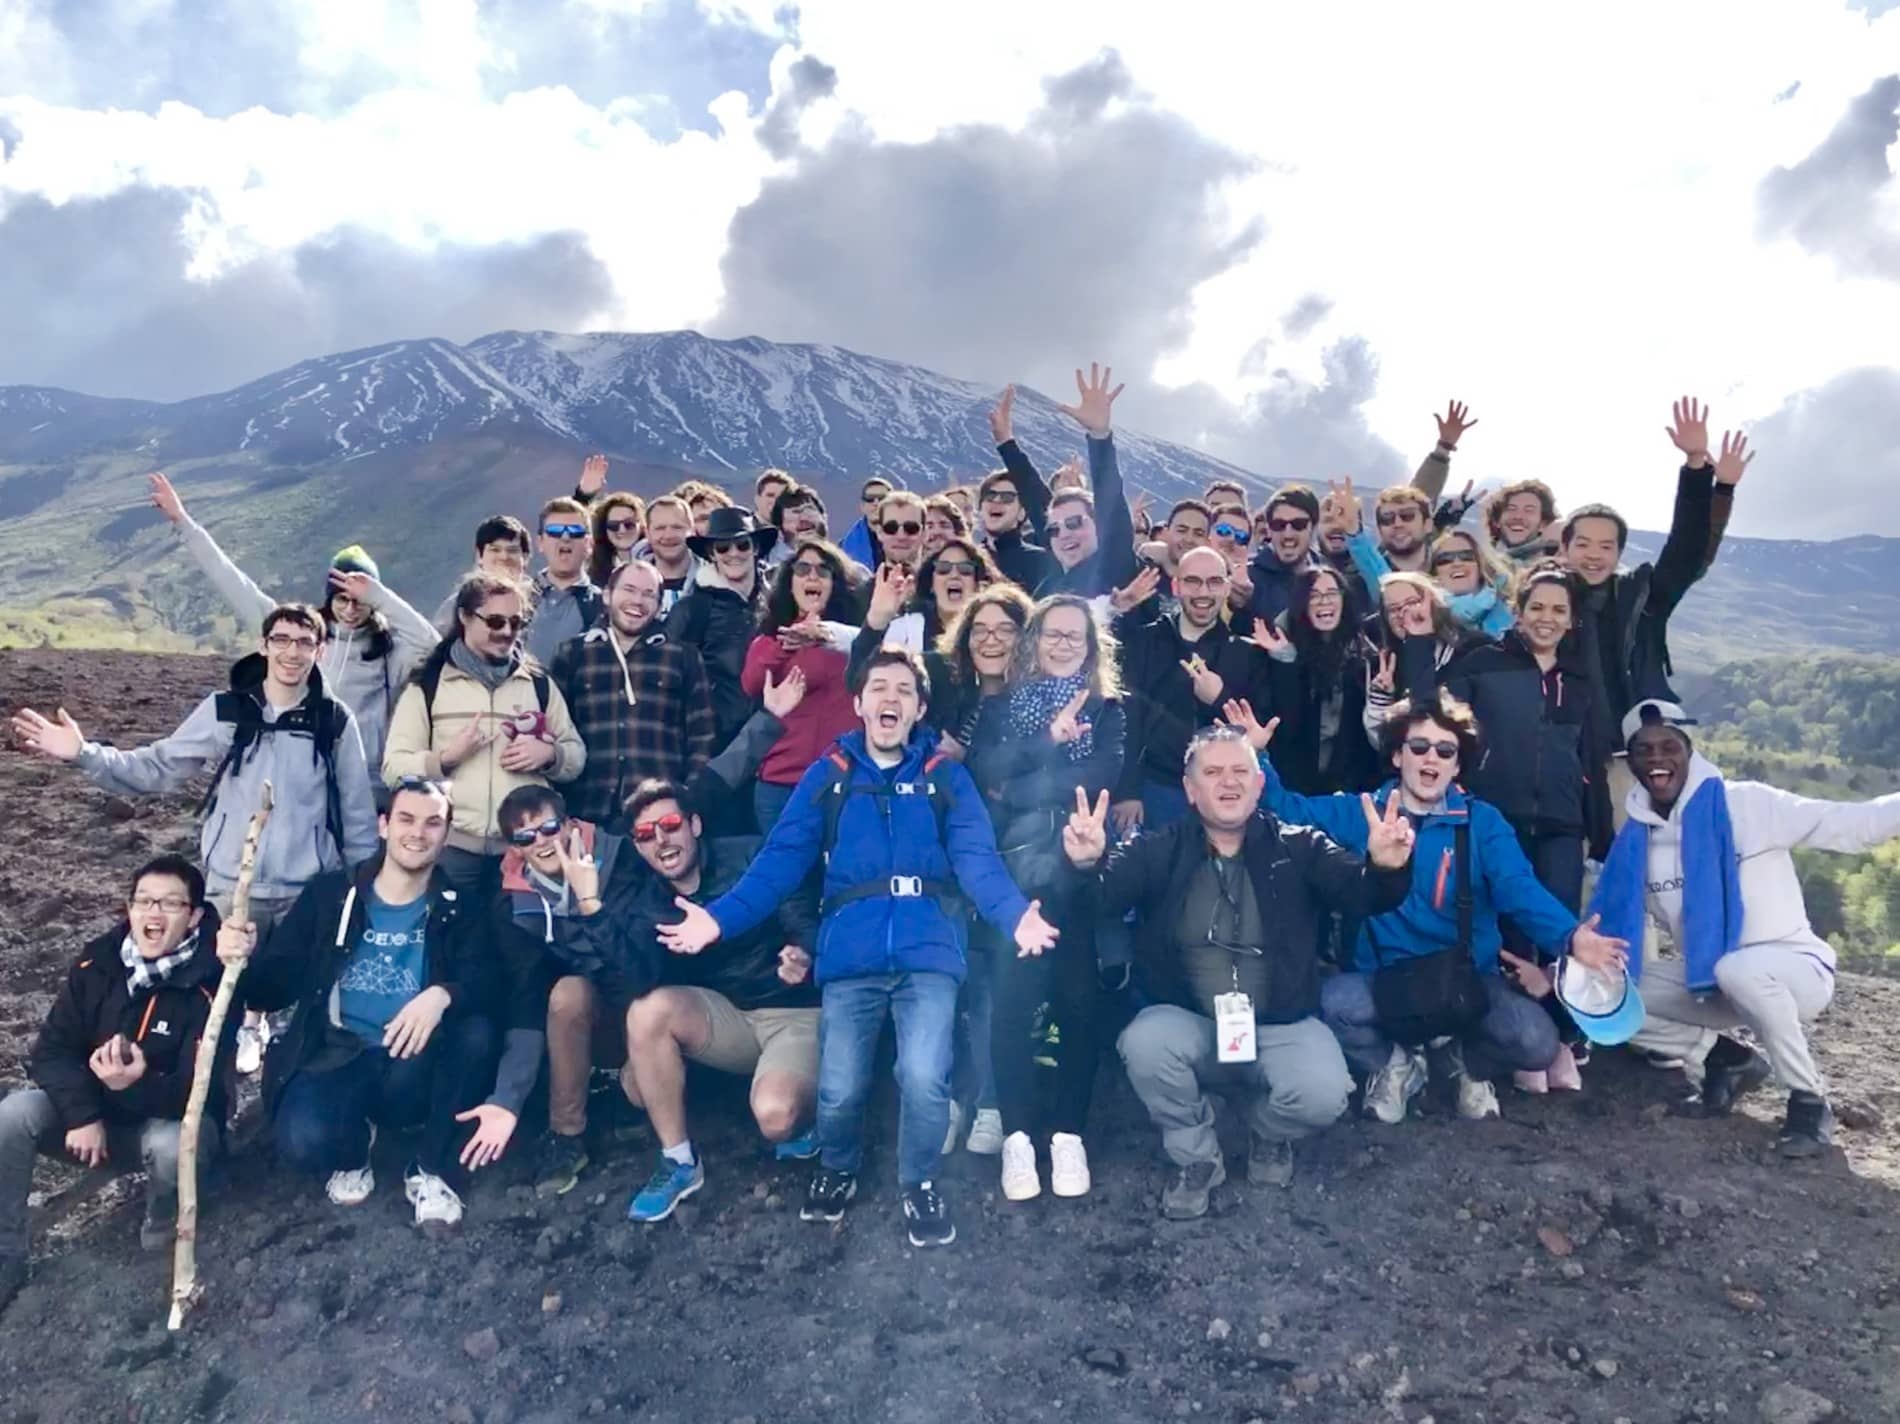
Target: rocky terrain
[{"x": 1583, "y": 1261}]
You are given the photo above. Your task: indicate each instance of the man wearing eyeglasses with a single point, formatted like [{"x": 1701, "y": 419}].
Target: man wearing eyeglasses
[
  {"x": 566, "y": 602},
  {"x": 113, "y": 1064},
  {"x": 860, "y": 540},
  {"x": 1292, "y": 519},
  {"x": 798, "y": 513}
]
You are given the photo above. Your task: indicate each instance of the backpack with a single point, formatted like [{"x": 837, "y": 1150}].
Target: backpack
[
  {"x": 323, "y": 721},
  {"x": 429, "y": 678},
  {"x": 840, "y": 786}
]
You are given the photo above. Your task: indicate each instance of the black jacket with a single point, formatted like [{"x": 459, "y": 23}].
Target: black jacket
[
  {"x": 1544, "y": 746},
  {"x": 1163, "y": 713},
  {"x": 743, "y": 968},
  {"x": 720, "y": 623},
  {"x": 535, "y": 946},
  {"x": 299, "y": 961},
  {"x": 1306, "y": 763},
  {"x": 1297, "y": 874},
  {"x": 1272, "y": 583},
  {"x": 1029, "y": 785},
  {"x": 166, "y": 1022},
  {"x": 1023, "y": 562}
]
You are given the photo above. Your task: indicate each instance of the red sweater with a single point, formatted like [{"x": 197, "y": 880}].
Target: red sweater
[{"x": 825, "y": 715}]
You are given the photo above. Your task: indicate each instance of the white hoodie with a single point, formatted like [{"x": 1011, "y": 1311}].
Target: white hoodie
[{"x": 1768, "y": 824}]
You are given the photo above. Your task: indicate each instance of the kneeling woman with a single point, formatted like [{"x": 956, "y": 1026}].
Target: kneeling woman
[
  {"x": 1467, "y": 871},
  {"x": 1058, "y": 727}
]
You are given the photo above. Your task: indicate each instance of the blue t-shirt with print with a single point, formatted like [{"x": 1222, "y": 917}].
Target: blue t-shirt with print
[{"x": 387, "y": 967}]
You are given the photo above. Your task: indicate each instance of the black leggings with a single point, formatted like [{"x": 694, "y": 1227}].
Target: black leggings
[
  {"x": 1064, "y": 978},
  {"x": 1557, "y": 860}
]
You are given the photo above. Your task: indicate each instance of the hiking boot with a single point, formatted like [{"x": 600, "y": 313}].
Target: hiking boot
[
  {"x": 955, "y": 1134},
  {"x": 671, "y": 1183},
  {"x": 1809, "y": 1130},
  {"x": 1564, "y": 1073},
  {"x": 1068, "y": 1166},
  {"x": 927, "y": 1217},
  {"x": 1186, "y": 1196},
  {"x": 1270, "y": 1162},
  {"x": 802, "y": 1148},
  {"x": 1021, "y": 1180},
  {"x": 1393, "y": 1087},
  {"x": 559, "y": 1160},
  {"x": 12, "y": 1277},
  {"x": 1731, "y": 1070},
  {"x": 986, "y": 1133},
  {"x": 435, "y": 1201},
  {"x": 828, "y": 1195},
  {"x": 353, "y": 1187},
  {"x": 160, "y": 1226}
]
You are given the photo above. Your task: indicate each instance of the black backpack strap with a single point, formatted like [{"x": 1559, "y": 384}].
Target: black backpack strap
[
  {"x": 831, "y": 802},
  {"x": 429, "y": 678},
  {"x": 1461, "y": 848},
  {"x": 542, "y": 687}
]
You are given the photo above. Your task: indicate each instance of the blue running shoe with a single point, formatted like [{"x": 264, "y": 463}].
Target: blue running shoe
[
  {"x": 669, "y": 1185},
  {"x": 802, "y": 1148}
]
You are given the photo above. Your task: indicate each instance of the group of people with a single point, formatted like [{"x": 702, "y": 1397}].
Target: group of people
[{"x": 1290, "y": 804}]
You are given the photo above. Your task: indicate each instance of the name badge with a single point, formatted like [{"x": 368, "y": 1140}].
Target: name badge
[{"x": 1234, "y": 1028}]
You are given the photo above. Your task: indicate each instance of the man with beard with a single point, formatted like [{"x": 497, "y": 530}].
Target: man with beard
[
  {"x": 641, "y": 705},
  {"x": 798, "y": 514},
  {"x": 565, "y": 601},
  {"x": 1291, "y": 519},
  {"x": 113, "y": 1065},
  {"x": 1177, "y": 671},
  {"x": 1710, "y": 861}
]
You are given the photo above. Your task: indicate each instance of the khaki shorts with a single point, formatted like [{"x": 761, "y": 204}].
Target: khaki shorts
[{"x": 757, "y": 1041}]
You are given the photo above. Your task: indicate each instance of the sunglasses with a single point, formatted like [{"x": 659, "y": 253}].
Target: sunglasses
[
  {"x": 621, "y": 526},
  {"x": 1239, "y": 533},
  {"x": 1455, "y": 556},
  {"x": 644, "y": 831},
  {"x": 1298, "y": 525},
  {"x": 1397, "y": 516},
  {"x": 1000, "y": 496},
  {"x": 872, "y": 495},
  {"x": 906, "y": 526},
  {"x": 1074, "y": 522},
  {"x": 528, "y": 835},
  {"x": 957, "y": 566},
  {"x": 804, "y": 568},
  {"x": 565, "y": 531},
  {"x": 501, "y": 622},
  {"x": 732, "y": 546},
  {"x": 1444, "y": 751}
]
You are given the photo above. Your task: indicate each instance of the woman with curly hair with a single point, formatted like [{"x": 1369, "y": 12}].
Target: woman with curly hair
[{"x": 620, "y": 522}]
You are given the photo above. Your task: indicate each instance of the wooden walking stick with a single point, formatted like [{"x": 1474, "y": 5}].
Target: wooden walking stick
[{"x": 185, "y": 1287}]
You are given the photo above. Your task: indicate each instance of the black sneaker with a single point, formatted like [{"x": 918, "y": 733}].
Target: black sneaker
[
  {"x": 1270, "y": 1162},
  {"x": 927, "y": 1216},
  {"x": 1731, "y": 1070},
  {"x": 828, "y": 1195},
  {"x": 1809, "y": 1130},
  {"x": 12, "y": 1277},
  {"x": 559, "y": 1161},
  {"x": 1187, "y": 1195}
]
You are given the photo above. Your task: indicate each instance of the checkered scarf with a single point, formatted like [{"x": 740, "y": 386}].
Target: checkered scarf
[{"x": 142, "y": 973}]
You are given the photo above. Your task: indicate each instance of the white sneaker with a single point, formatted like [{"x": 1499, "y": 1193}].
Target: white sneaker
[
  {"x": 1021, "y": 1181},
  {"x": 1394, "y": 1086},
  {"x": 1476, "y": 1100},
  {"x": 986, "y": 1133},
  {"x": 956, "y": 1128},
  {"x": 353, "y": 1188},
  {"x": 252, "y": 1040},
  {"x": 1068, "y": 1166},
  {"x": 433, "y": 1198}
]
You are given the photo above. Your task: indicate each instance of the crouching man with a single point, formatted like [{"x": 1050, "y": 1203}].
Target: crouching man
[
  {"x": 387, "y": 976},
  {"x": 1226, "y": 960},
  {"x": 114, "y": 1059}
]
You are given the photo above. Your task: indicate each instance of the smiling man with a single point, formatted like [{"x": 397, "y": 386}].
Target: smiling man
[{"x": 1292, "y": 524}]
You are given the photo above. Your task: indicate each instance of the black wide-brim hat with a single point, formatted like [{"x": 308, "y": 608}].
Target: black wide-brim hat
[{"x": 726, "y": 523}]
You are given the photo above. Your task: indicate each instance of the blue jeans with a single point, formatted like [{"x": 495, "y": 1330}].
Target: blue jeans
[
  {"x": 1515, "y": 1034},
  {"x": 923, "y": 1007},
  {"x": 323, "y": 1116},
  {"x": 1162, "y": 803},
  {"x": 768, "y": 803}
]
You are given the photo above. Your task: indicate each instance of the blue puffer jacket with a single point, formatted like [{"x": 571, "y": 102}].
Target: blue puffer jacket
[
  {"x": 1502, "y": 881},
  {"x": 881, "y": 836}
]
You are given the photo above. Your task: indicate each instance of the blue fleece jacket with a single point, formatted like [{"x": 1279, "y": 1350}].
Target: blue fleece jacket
[
  {"x": 1502, "y": 881},
  {"x": 881, "y": 836},
  {"x": 1484, "y": 609}
]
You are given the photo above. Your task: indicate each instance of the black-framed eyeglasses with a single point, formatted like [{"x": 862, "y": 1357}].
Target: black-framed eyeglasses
[
  {"x": 290, "y": 643},
  {"x": 1444, "y": 751},
  {"x": 166, "y": 904},
  {"x": 1056, "y": 638},
  {"x": 528, "y": 835}
]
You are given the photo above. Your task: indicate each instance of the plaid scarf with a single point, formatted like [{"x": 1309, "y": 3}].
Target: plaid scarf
[{"x": 142, "y": 973}]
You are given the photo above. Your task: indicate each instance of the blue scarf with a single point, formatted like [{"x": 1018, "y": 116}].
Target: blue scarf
[{"x": 1711, "y": 887}]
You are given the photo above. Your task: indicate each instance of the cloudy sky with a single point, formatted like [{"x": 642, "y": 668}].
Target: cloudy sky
[{"x": 1295, "y": 229}]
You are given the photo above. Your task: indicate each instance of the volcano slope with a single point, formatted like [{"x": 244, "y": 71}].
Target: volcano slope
[{"x": 1585, "y": 1259}]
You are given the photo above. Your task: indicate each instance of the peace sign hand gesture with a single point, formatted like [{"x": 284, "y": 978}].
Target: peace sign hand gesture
[
  {"x": 1091, "y": 410},
  {"x": 1065, "y": 727},
  {"x": 579, "y": 869},
  {"x": 1386, "y": 678},
  {"x": 1085, "y": 837},
  {"x": 1207, "y": 683},
  {"x": 1388, "y": 837}
]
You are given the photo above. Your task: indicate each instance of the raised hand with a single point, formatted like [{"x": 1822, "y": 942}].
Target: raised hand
[
  {"x": 61, "y": 740},
  {"x": 495, "y": 1126},
  {"x": 692, "y": 934},
  {"x": 1085, "y": 837},
  {"x": 356, "y": 585},
  {"x": 1689, "y": 431},
  {"x": 1002, "y": 431},
  {"x": 1137, "y": 591},
  {"x": 1453, "y": 424},
  {"x": 1139, "y": 514},
  {"x": 794, "y": 965},
  {"x": 165, "y": 497},
  {"x": 578, "y": 868},
  {"x": 1347, "y": 515},
  {"x": 1238, "y": 712},
  {"x": 1065, "y": 726},
  {"x": 1092, "y": 407},
  {"x": 890, "y": 591},
  {"x": 1589, "y": 946},
  {"x": 1734, "y": 460},
  {"x": 1387, "y": 677},
  {"x": 1388, "y": 837},
  {"x": 1269, "y": 639},
  {"x": 1207, "y": 684},
  {"x": 781, "y": 698},
  {"x": 1034, "y": 934},
  {"x": 593, "y": 474}
]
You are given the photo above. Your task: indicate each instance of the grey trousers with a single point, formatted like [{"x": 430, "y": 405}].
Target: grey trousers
[
  {"x": 30, "y": 1124},
  {"x": 1297, "y": 1083},
  {"x": 1776, "y": 989}
]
